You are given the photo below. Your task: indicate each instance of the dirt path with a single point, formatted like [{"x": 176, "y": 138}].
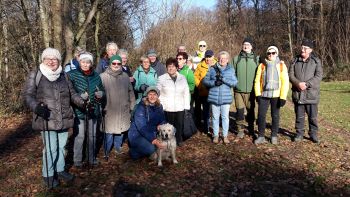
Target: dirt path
[{"x": 237, "y": 169}]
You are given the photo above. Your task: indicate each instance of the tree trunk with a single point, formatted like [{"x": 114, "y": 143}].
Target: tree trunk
[
  {"x": 44, "y": 20},
  {"x": 29, "y": 32},
  {"x": 289, "y": 28},
  {"x": 97, "y": 29},
  {"x": 57, "y": 24},
  {"x": 81, "y": 19},
  {"x": 68, "y": 33},
  {"x": 87, "y": 21}
]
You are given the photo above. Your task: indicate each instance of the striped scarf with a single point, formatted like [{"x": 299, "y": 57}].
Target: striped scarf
[{"x": 271, "y": 78}]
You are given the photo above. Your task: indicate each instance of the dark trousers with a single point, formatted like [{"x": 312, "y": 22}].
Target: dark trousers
[
  {"x": 275, "y": 115},
  {"x": 245, "y": 101},
  {"x": 311, "y": 111},
  {"x": 177, "y": 120}
]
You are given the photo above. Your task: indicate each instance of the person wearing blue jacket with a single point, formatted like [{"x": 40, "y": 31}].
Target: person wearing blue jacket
[
  {"x": 220, "y": 79},
  {"x": 142, "y": 134}
]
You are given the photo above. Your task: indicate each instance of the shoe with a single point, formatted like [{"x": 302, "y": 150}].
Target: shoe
[
  {"x": 95, "y": 162},
  {"x": 274, "y": 140},
  {"x": 240, "y": 134},
  {"x": 298, "y": 138},
  {"x": 260, "y": 140},
  {"x": 314, "y": 139},
  {"x": 78, "y": 164},
  {"x": 154, "y": 156},
  {"x": 50, "y": 182},
  {"x": 216, "y": 140},
  {"x": 105, "y": 158},
  {"x": 65, "y": 176},
  {"x": 179, "y": 144},
  {"x": 226, "y": 141}
]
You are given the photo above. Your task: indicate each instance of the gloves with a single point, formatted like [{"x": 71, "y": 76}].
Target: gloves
[
  {"x": 218, "y": 83},
  {"x": 143, "y": 87},
  {"x": 98, "y": 94},
  {"x": 42, "y": 111},
  {"x": 84, "y": 96},
  {"x": 282, "y": 102},
  {"x": 258, "y": 99}
]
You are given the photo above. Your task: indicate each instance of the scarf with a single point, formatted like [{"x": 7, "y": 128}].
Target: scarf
[
  {"x": 271, "y": 77},
  {"x": 49, "y": 74},
  {"x": 113, "y": 73}
]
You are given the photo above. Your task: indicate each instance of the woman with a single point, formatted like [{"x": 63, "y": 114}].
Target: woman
[
  {"x": 271, "y": 89},
  {"x": 119, "y": 102},
  {"x": 185, "y": 70},
  {"x": 202, "y": 48},
  {"x": 88, "y": 84},
  {"x": 148, "y": 116},
  {"x": 220, "y": 79},
  {"x": 111, "y": 49},
  {"x": 144, "y": 76},
  {"x": 49, "y": 93},
  {"x": 174, "y": 96}
]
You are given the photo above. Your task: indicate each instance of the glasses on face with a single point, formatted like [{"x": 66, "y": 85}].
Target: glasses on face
[
  {"x": 116, "y": 63},
  {"x": 305, "y": 48},
  {"x": 271, "y": 53},
  {"x": 202, "y": 46},
  {"x": 51, "y": 59}
]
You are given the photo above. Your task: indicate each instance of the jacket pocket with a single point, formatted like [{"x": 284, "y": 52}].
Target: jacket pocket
[{"x": 312, "y": 94}]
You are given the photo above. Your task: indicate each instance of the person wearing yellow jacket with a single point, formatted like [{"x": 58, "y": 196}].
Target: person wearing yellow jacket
[{"x": 271, "y": 89}]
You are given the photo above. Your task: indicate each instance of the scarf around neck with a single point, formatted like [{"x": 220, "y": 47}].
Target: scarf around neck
[
  {"x": 113, "y": 73},
  {"x": 271, "y": 77},
  {"x": 49, "y": 74}
]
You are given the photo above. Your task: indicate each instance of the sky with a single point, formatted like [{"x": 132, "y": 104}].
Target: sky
[{"x": 200, "y": 3}]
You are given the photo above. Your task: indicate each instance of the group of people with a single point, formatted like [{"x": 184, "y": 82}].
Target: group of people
[{"x": 131, "y": 105}]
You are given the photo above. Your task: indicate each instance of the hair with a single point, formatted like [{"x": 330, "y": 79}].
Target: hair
[
  {"x": 183, "y": 54},
  {"x": 142, "y": 58},
  {"x": 111, "y": 44},
  {"x": 123, "y": 52},
  {"x": 146, "y": 102},
  {"x": 170, "y": 61},
  {"x": 224, "y": 53}
]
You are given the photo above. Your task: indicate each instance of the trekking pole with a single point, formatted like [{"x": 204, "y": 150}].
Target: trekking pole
[
  {"x": 46, "y": 126},
  {"x": 86, "y": 127}
]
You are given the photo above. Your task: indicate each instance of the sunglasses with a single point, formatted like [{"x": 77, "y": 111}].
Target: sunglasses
[
  {"x": 115, "y": 63},
  {"x": 271, "y": 53},
  {"x": 202, "y": 46}
]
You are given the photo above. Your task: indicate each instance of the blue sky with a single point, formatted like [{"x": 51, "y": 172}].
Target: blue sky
[{"x": 199, "y": 3}]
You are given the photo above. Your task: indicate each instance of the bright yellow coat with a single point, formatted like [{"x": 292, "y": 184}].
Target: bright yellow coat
[
  {"x": 283, "y": 81},
  {"x": 199, "y": 74}
]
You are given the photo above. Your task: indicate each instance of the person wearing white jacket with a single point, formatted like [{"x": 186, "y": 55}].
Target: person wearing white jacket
[{"x": 174, "y": 96}]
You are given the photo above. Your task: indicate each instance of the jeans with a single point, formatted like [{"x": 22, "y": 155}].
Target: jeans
[
  {"x": 275, "y": 115},
  {"x": 223, "y": 111},
  {"x": 112, "y": 139},
  {"x": 53, "y": 152},
  {"x": 79, "y": 130},
  {"x": 141, "y": 147},
  {"x": 311, "y": 111}
]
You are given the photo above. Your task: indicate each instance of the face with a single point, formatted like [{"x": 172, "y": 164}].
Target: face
[
  {"x": 247, "y": 47},
  {"x": 223, "y": 60},
  {"x": 111, "y": 51},
  {"x": 209, "y": 60},
  {"x": 146, "y": 64},
  {"x": 124, "y": 59},
  {"x": 305, "y": 51},
  {"x": 116, "y": 65},
  {"x": 152, "y": 97},
  {"x": 181, "y": 61},
  {"x": 51, "y": 62},
  {"x": 166, "y": 131},
  {"x": 171, "y": 69},
  {"x": 202, "y": 48},
  {"x": 152, "y": 58},
  {"x": 181, "y": 49},
  {"x": 85, "y": 65},
  {"x": 271, "y": 55}
]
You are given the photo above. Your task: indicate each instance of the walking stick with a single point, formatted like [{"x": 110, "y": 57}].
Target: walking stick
[
  {"x": 46, "y": 126},
  {"x": 86, "y": 127}
]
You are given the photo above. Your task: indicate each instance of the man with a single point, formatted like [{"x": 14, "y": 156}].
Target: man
[
  {"x": 305, "y": 74},
  {"x": 155, "y": 63},
  {"x": 111, "y": 49},
  {"x": 74, "y": 63},
  {"x": 181, "y": 48},
  {"x": 245, "y": 65},
  {"x": 125, "y": 67}
]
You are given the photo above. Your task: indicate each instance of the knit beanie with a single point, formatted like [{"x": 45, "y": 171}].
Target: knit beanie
[
  {"x": 308, "y": 43},
  {"x": 273, "y": 48},
  {"x": 151, "y": 53},
  {"x": 249, "y": 40},
  {"x": 152, "y": 88},
  {"x": 86, "y": 56},
  {"x": 202, "y": 42},
  {"x": 115, "y": 57},
  {"x": 51, "y": 52}
]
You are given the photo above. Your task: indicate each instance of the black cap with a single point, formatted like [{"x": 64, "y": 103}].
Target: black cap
[
  {"x": 209, "y": 53},
  {"x": 308, "y": 43},
  {"x": 249, "y": 40}
]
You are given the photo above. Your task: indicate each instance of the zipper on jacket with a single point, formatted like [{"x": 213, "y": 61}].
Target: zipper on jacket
[{"x": 246, "y": 73}]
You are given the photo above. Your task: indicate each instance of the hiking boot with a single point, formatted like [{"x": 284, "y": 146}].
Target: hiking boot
[
  {"x": 50, "y": 182},
  {"x": 65, "y": 176},
  {"x": 314, "y": 139},
  {"x": 274, "y": 140},
  {"x": 299, "y": 138},
  {"x": 260, "y": 140},
  {"x": 226, "y": 141},
  {"x": 94, "y": 162},
  {"x": 216, "y": 140},
  {"x": 240, "y": 134},
  {"x": 78, "y": 164}
]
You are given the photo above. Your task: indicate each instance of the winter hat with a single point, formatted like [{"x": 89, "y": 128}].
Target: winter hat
[
  {"x": 86, "y": 56},
  {"x": 308, "y": 43},
  {"x": 209, "y": 53},
  {"x": 202, "y": 42},
  {"x": 152, "y": 88},
  {"x": 273, "y": 48},
  {"x": 115, "y": 57},
  {"x": 51, "y": 52},
  {"x": 151, "y": 53},
  {"x": 249, "y": 40}
]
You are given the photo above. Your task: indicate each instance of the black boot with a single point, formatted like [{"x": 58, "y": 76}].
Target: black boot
[
  {"x": 50, "y": 182},
  {"x": 65, "y": 176}
]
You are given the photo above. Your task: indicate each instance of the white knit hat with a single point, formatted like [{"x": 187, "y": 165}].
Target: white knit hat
[
  {"x": 202, "y": 42},
  {"x": 51, "y": 52},
  {"x": 86, "y": 56},
  {"x": 273, "y": 48}
]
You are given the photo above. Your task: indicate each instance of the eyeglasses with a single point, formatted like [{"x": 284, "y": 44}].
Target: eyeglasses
[
  {"x": 52, "y": 59},
  {"x": 180, "y": 58},
  {"x": 116, "y": 63},
  {"x": 271, "y": 53},
  {"x": 305, "y": 48},
  {"x": 202, "y": 46}
]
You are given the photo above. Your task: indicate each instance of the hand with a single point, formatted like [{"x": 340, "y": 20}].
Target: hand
[
  {"x": 302, "y": 86},
  {"x": 282, "y": 102},
  {"x": 143, "y": 87},
  {"x": 98, "y": 94},
  {"x": 258, "y": 99},
  {"x": 218, "y": 83},
  {"x": 158, "y": 144},
  {"x": 42, "y": 111},
  {"x": 84, "y": 96},
  {"x": 131, "y": 79}
]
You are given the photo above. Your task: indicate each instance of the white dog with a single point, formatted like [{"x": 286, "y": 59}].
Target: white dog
[{"x": 166, "y": 135}]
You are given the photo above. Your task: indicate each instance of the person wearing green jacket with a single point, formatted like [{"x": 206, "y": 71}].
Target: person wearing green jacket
[
  {"x": 185, "y": 70},
  {"x": 245, "y": 65}
]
